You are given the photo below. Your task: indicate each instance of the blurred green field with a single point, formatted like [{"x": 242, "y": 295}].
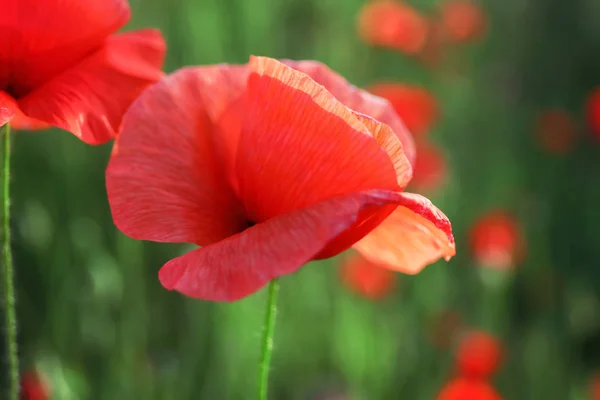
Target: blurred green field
[{"x": 94, "y": 318}]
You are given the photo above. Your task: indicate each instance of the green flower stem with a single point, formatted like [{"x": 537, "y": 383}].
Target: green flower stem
[
  {"x": 10, "y": 314},
  {"x": 267, "y": 343}
]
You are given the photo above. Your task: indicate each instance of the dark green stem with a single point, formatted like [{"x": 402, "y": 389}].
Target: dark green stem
[
  {"x": 10, "y": 320},
  {"x": 267, "y": 343}
]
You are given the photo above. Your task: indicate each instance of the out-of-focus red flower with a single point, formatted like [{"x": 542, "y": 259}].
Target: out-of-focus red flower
[
  {"x": 415, "y": 105},
  {"x": 429, "y": 169},
  {"x": 555, "y": 130},
  {"x": 496, "y": 240},
  {"x": 34, "y": 387},
  {"x": 61, "y": 65},
  {"x": 393, "y": 24},
  {"x": 478, "y": 355},
  {"x": 266, "y": 170},
  {"x": 593, "y": 111},
  {"x": 365, "y": 278},
  {"x": 445, "y": 327},
  {"x": 468, "y": 389},
  {"x": 463, "y": 20}
]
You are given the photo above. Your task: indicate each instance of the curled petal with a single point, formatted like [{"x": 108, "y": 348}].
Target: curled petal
[
  {"x": 300, "y": 146},
  {"x": 164, "y": 180},
  {"x": 90, "y": 98},
  {"x": 413, "y": 236},
  {"x": 240, "y": 265},
  {"x": 358, "y": 100}
]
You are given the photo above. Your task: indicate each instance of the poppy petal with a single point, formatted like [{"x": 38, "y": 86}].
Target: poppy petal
[
  {"x": 165, "y": 183},
  {"x": 83, "y": 99},
  {"x": 413, "y": 236},
  {"x": 42, "y": 38},
  {"x": 300, "y": 146},
  {"x": 384, "y": 136},
  {"x": 240, "y": 265},
  {"x": 358, "y": 100}
]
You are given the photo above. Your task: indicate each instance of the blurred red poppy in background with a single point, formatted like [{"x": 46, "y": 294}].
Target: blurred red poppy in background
[
  {"x": 365, "y": 278},
  {"x": 267, "y": 170},
  {"x": 34, "y": 387},
  {"x": 555, "y": 130},
  {"x": 593, "y": 111},
  {"x": 417, "y": 107},
  {"x": 463, "y": 21},
  {"x": 496, "y": 240},
  {"x": 468, "y": 389},
  {"x": 429, "y": 171},
  {"x": 478, "y": 355},
  {"x": 61, "y": 65},
  {"x": 393, "y": 24}
]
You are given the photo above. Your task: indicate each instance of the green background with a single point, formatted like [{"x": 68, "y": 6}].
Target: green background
[{"x": 94, "y": 318}]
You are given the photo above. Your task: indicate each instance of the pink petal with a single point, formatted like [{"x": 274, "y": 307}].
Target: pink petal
[
  {"x": 414, "y": 235},
  {"x": 165, "y": 180},
  {"x": 242, "y": 264}
]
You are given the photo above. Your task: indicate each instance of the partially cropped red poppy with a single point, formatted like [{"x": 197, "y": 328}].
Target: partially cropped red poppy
[
  {"x": 555, "y": 130},
  {"x": 393, "y": 24},
  {"x": 365, "y": 278},
  {"x": 429, "y": 171},
  {"x": 417, "y": 107},
  {"x": 463, "y": 20},
  {"x": 496, "y": 240},
  {"x": 478, "y": 355},
  {"x": 34, "y": 387},
  {"x": 62, "y": 65},
  {"x": 267, "y": 170},
  {"x": 593, "y": 111},
  {"x": 468, "y": 389}
]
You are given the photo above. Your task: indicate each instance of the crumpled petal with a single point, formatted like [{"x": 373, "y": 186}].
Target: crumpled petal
[
  {"x": 242, "y": 264},
  {"x": 413, "y": 236},
  {"x": 358, "y": 100}
]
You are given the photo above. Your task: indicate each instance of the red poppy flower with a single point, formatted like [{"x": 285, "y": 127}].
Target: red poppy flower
[
  {"x": 392, "y": 24},
  {"x": 60, "y": 65},
  {"x": 478, "y": 355},
  {"x": 463, "y": 20},
  {"x": 496, "y": 241},
  {"x": 429, "y": 169},
  {"x": 267, "y": 170},
  {"x": 593, "y": 111},
  {"x": 468, "y": 389},
  {"x": 365, "y": 278},
  {"x": 416, "y": 106},
  {"x": 555, "y": 130},
  {"x": 34, "y": 387}
]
